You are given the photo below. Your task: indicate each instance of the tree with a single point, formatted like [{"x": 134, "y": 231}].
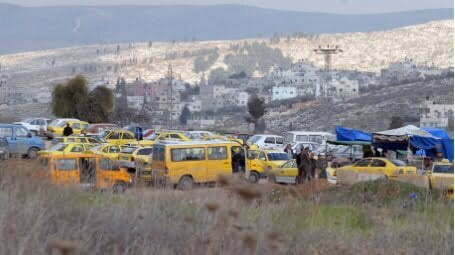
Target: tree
[
  {"x": 184, "y": 116},
  {"x": 396, "y": 122},
  {"x": 256, "y": 109},
  {"x": 73, "y": 100}
]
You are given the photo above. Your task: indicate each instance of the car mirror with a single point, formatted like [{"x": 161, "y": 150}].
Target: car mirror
[{"x": 29, "y": 135}]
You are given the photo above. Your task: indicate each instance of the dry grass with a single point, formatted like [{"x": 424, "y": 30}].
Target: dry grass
[{"x": 233, "y": 218}]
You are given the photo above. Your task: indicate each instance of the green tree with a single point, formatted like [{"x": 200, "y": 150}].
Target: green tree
[
  {"x": 73, "y": 100},
  {"x": 184, "y": 116},
  {"x": 256, "y": 110},
  {"x": 396, "y": 122}
]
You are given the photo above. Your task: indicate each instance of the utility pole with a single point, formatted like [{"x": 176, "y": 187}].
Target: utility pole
[
  {"x": 170, "y": 77},
  {"x": 327, "y": 52}
]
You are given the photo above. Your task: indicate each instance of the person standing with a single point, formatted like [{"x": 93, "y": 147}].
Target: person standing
[
  {"x": 289, "y": 151},
  {"x": 67, "y": 131},
  {"x": 304, "y": 166}
]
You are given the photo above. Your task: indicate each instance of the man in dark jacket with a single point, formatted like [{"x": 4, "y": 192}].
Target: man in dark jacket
[
  {"x": 67, "y": 131},
  {"x": 305, "y": 165}
]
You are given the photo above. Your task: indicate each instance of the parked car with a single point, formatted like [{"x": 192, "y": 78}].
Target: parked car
[
  {"x": 36, "y": 126},
  {"x": 390, "y": 168},
  {"x": 299, "y": 146},
  {"x": 262, "y": 161},
  {"x": 267, "y": 141},
  {"x": 99, "y": 128},
  {"x": 441, "y": 176},
  {"x": 20, "y": 141},
  {"x": 55, "y": 128}
]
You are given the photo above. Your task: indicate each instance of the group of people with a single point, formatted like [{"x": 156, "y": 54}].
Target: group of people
[{"x": 306, "y": 163}]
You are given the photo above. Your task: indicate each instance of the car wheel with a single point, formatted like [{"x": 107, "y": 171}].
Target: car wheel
[
  {"x": 119, "y": 188},
  {"x": 185, "y": 183},
  {"x": 32, "y": 153},
  {"x": 254, "y": 177}
]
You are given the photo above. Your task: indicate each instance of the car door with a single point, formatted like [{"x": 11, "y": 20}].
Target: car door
[
  {"x": 287, "y": 173},
  {"x": 361, "y": 166},
  {"x": 76, "y": 128},
  {"x": 7, "y": 133},
  {"x": 218, "y": 162},
  {"x": 22, "y": 140},
  {"x": 269, "y": 142},
  {"x": 106, "y": 171},
  {"x": 65, "y": 171}
]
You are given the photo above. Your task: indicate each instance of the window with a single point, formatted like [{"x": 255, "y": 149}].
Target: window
[
  {"x": 92, "y": 140},
  {"x": 215, "y": 153},
  {"x": 114, "y": 149},
  {"x": 279, "y": 140},
  {"x": 443, "y": 169},
  {"x": 290, "y": 164},
  {"x": 34, "y": 122},
  {"x": 188, "y": 154},
  {"x": 174, "y": 136},
  {"x": 364, "y": 162},
  {"x": 77, "y": 148},
  {"x": 66, "y": 164},
  {"x": 127, "y": 136},
  {"x": 378, "y": 163},
  {"x": 128, "y": 150},
  {"x": 254, "y": 139},
  {"x": 316, "y": 138},
  {"x": 114, "y": 136},
  {"x": 398, "y": 162},
  {"x": 301, "y": 138},
  {"x": 108, "y": 165},
  {"x": 76, "y": 126},
  {"x": 269, "y": 140},
  {"x": 262, "y": 156},
  {"x": 147, "y": 151},
  {"x": 274, "y": 156},
  {"x": 158, "y": 153},
  {"x": 6, "y": 132},
  {"x": 21, "y": 132}
]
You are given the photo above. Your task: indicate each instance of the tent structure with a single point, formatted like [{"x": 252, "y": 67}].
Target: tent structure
[
  {"x": 416, "y": 138},
  {"x": 351, "y": 135}
]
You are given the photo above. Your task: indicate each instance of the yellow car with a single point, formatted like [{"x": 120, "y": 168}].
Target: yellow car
[
  {"x": 107, "y": 150},
  {"x": 55, "y": 128},
  {"x": 441, "y": 176},
  {"x": 285, "y": 174},
  {"x": 261, "y": 161},
  {"x": 129, "y": 156},
  {"x": 119, "y": 137},
  {"x": 161, "y": 136},
  {"x": 390, "y": 168},
  {"x": 77, "y": 139},
  {"x": 66, "y": 148}
]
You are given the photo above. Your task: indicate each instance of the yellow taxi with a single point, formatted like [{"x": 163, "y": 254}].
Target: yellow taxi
[
  {"x": 183, "y": 164},
  {"x": 119, "y": 137},
  {"x": 66, "y": 148},
  {"x": 390, "y": 168},
  {"x": 55, "y": 128},
  {"x": 441, "y": 176},
  {"x": 130, "y": 156},
  {"x": 161, "y": 136},
  {"x": 89, "y": 171},
  {"x": 77, "y": 139},
  {"x": 106, "y": 150},
  {"x": 285, "y": 174},
  {"x": 262, "y": 161}
]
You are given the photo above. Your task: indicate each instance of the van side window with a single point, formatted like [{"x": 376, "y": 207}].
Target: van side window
[
  {"x": 187, "y": 154},
  {"x": 301, "y": 138},
  {"x": 269, "y": 140},
  {"x": 215, "y": 153},
  {"x": 65, "y": 164},
  {"x": 108, "y": 165},
  {"x": 6, "y": 132},
  {"x": 279, "y": 140},
  {"x": 158, "y": 153},
  {"x": 21, "y": 132}
]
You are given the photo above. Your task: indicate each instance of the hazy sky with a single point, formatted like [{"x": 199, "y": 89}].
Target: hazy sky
[{"x": 334, "y": 6}]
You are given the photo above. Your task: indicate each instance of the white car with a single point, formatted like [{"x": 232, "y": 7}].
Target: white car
[
  {"x": 299, "y": 146},
  {"x": 269, "y": 142},
  {"x": 35, "y": 125}
]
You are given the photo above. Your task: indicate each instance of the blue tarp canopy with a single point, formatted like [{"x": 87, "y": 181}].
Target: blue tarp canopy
[
  {"x": 446, "y": 143},
  {"x": 437, "y": 132},
  {"x": 349, "y": 134}
]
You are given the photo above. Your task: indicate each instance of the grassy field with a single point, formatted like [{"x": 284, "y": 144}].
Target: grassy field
[{"x": 379, "y": 217}]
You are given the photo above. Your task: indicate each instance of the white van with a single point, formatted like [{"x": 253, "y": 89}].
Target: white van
[
  {"x": 304, "y": 136},
  {"x": 267, "y": 141}
]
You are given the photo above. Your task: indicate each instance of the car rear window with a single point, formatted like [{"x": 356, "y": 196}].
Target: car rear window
[{"x": 448, "y": 169}]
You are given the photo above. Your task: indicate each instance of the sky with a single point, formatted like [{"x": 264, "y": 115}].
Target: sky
[{"x": 332, "y": 6}]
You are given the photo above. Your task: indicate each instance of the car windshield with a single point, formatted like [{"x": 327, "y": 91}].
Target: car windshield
[
  {"x": 448, "y": 169},
  {"x": 61, "y": 124},
  {"x": 398, "y": 162},
  {"x": 128, "y": 150},
  {"x": 58, "y": 147},
  {"x": 54, "y": 123},
  {"x": 152, "y": 137},
  {"x": 254, "y": 139},
  {"x": 274, "y": 156}
]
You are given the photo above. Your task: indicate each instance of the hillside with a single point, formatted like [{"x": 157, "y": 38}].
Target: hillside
[{"x": 35, "y": 28}]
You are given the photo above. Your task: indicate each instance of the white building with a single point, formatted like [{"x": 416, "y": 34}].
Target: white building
[
  {"x": 436, "y": 112},
  {"x": 283, "y": 92},
  {"x": 344, "y": 88}
]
